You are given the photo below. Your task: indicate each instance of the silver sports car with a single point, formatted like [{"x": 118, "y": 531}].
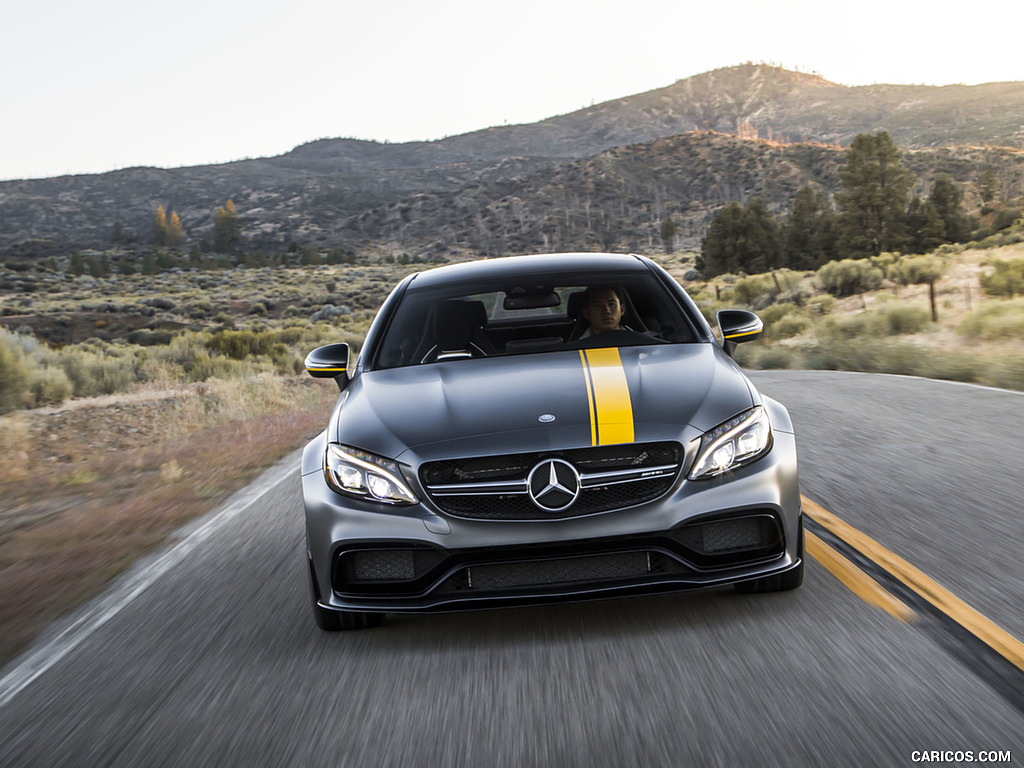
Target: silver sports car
[{"x": 544, "y": 428}]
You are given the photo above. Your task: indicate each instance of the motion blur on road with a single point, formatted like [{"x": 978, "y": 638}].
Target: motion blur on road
[{"x": 217, "y": 662}]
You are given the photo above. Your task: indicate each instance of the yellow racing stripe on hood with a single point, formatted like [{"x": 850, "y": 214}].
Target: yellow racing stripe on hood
[{"x": 611, "y": 411}]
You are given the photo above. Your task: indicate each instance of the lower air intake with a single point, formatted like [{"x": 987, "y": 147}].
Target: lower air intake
[
  {"x": 734, "y": 534},
  {"x": 383, "y": 565},
  {"x": 370, "y": 570},
  {"x": 593, "y": 569}
]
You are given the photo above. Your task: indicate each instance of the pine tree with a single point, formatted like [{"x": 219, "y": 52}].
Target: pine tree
[
  {"x": 741, "y": 239},
  {"x": 668, "y": 233},
  {"x": 947, "y": 200},
  {"x": 227, "y": 228},
  {"x": 765, "y": 238},
  {"x": 808, "y": 235},
  {"x": 719, "y": 247},
  {"x": 987, "y": 185},
  {"x": 924, "y": 227},
  {"x": 873, "y": 198}
]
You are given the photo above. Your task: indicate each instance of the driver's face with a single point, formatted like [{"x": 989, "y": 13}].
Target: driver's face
[{"x": 603, "y": 311}]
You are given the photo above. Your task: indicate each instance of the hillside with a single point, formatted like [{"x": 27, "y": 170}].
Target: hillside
[
  {"x": 343, "y": 193},
  {"x": 617, "y": 199}
]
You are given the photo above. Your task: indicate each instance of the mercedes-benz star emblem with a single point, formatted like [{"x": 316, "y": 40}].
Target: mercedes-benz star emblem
[{"x": 554, "y": 485}]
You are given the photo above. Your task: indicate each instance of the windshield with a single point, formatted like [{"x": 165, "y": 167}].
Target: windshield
[{"x": 483, "y": 319}]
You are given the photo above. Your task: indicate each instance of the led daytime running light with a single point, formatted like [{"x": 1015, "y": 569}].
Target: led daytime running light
[
  {"x": 739, "y": 441},
  {"x": 366, "y": 476}
]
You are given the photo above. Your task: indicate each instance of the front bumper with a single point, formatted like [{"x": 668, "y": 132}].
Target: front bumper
[{"x": 417, "y": 559}]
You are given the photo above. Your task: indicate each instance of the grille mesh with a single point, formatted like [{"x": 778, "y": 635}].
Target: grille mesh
[
  {"x": 592, "y": 569},
  {"x": 732, "y": 534},
  {"x": 383, "y": 565},
  {"x": 365, "y": 568}
]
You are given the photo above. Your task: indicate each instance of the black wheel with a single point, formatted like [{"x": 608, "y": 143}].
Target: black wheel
[
  {"x": 335, "y": 621},
  {"x": 779, "y": 582}
]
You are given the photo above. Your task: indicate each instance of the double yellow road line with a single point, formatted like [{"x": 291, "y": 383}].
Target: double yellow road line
[{"x": 922, "y": 589}]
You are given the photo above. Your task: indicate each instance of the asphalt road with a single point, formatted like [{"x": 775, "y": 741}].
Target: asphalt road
[{"x": 207, "y": 655}]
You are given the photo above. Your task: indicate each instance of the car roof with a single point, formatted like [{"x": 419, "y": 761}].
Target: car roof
[{"x": 534, "y": 264}]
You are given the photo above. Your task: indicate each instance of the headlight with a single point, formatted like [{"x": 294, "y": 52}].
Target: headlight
[
  {"x": 365, "y": 476},
  {"x": 739, "y": 441}
]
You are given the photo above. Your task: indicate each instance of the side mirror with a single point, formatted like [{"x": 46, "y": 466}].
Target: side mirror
[
  {"x": 738, "y": 325},
  {"x": 330, "y": 361}
]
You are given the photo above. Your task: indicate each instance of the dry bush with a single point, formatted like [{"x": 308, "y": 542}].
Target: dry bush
[
  {"x": 849, "y": 277},
  {"x": 999, "y": 320}
]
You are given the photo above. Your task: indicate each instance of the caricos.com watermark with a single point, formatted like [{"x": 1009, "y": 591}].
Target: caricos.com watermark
[{"x": 960, "y": 756}]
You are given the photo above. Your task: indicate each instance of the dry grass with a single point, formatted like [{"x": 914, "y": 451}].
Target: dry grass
[
  {"x": 90, "y": 487},
  {"x": 871, "y": 331}
]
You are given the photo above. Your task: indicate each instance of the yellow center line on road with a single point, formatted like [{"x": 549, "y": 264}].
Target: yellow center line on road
[
  {"x": 997, "y": 638},
  {"x": 858, "y": 582}
]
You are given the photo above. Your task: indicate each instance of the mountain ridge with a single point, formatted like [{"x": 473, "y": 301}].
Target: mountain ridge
[{"x": 325, "y": 193}]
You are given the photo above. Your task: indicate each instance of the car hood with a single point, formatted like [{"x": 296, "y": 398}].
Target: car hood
[{"x": 553, "y": 400}]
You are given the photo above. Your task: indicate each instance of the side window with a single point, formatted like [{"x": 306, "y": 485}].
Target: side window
[{"x": 404, "y": 333}]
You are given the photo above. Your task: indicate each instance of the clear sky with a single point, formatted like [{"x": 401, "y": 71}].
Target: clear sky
[{"x": 94, "y": 86}]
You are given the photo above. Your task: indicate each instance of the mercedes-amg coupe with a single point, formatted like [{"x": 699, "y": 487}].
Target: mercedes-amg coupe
[{"x": 544, "y": 428}]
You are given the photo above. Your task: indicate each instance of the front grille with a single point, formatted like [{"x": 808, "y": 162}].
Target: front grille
[{"x": 498, "y": 488}]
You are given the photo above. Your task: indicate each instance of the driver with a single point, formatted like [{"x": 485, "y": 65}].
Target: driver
[{"x": 603, "y": 308}]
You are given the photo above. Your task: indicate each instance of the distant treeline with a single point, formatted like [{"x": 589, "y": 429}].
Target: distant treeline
[{"x": 872, "y": 213}]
